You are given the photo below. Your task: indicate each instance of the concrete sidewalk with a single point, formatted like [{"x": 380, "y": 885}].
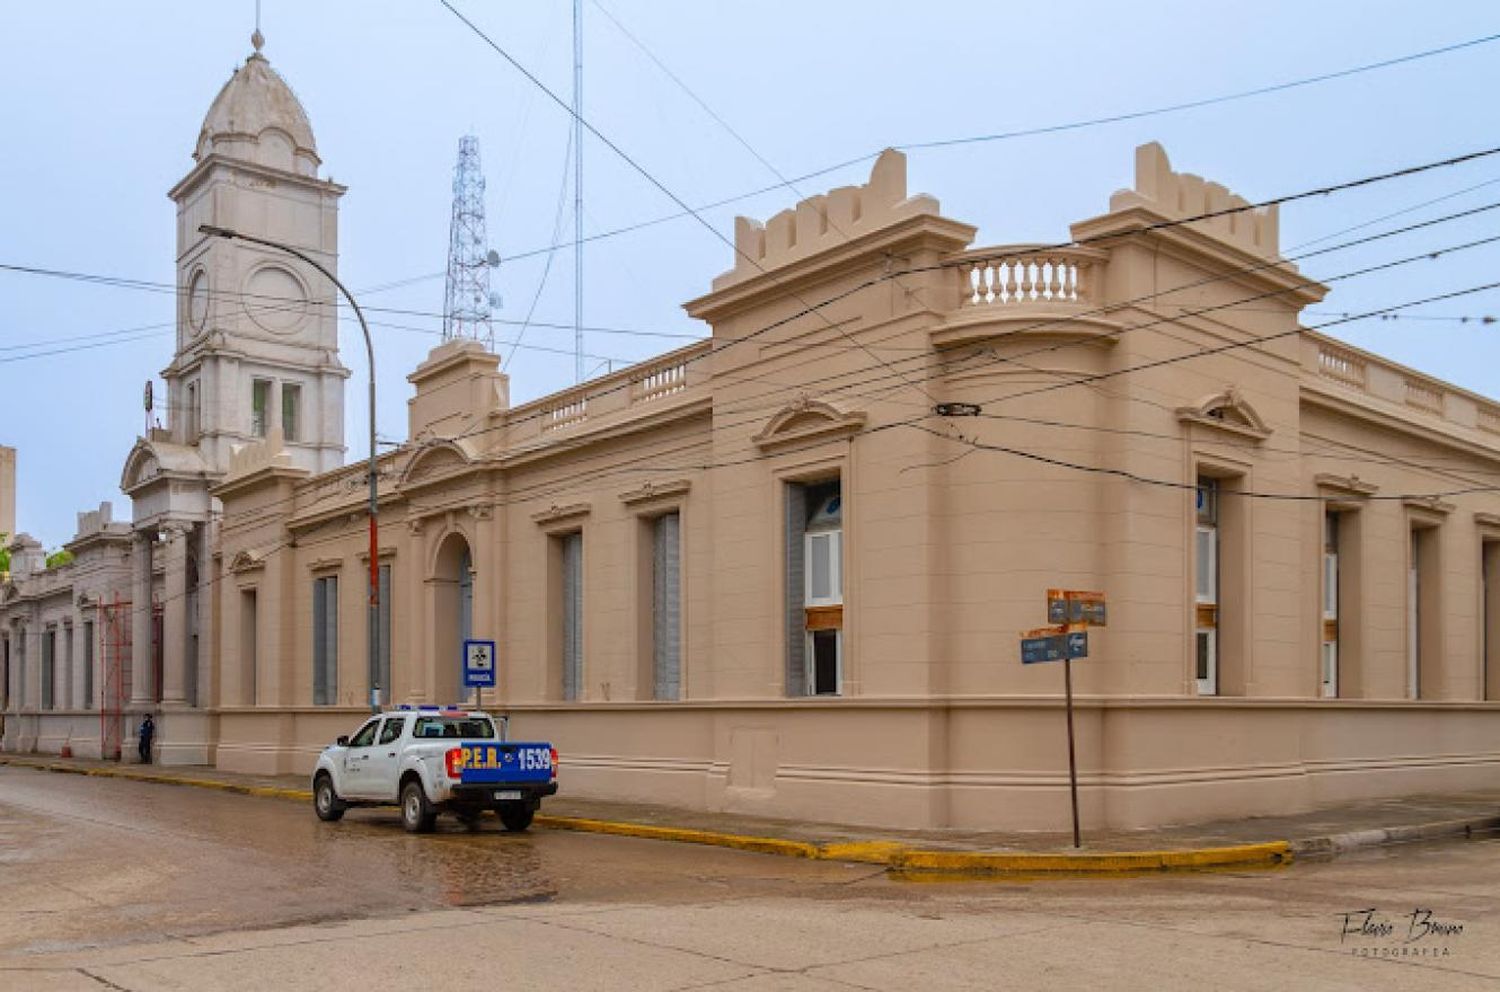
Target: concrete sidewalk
[{"x": 1268, "y": 839}]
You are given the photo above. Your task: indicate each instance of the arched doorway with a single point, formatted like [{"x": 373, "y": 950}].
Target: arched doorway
[{"x": 453, "y": 617}]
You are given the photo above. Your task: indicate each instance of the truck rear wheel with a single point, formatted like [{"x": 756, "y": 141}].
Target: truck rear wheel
[
  {"x": 515, "y": 816},
  {"x": 417, "y": 814}
]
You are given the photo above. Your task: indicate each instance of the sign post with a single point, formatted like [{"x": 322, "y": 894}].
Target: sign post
[
  {"x": 1071, "y": 612},
  {"x": 479, "y": 668}
]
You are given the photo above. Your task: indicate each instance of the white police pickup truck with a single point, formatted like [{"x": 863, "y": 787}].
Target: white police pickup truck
[{"x": 430, "y": 760}]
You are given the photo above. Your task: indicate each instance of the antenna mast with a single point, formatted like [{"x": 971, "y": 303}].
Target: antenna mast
[
  {"x": 577, "y": 190},
  {"x": 468, "y": 303}
]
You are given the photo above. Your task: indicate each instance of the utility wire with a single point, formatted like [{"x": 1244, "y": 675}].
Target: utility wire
[
  {"x": 624, "y": 156},
  {"x": 1003, "y": 136},
  {"x": 562, "y": 199}
]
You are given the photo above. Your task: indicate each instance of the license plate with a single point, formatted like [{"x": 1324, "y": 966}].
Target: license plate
[{"x": 504, "y": 794}]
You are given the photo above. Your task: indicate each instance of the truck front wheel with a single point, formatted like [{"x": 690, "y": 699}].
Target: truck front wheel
[
  {"x": 326, "y": 801},
  {"x": 417, "y": 814},
  {"x": 515, "y": 816}
]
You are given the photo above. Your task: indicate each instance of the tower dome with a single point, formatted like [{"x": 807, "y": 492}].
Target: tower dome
[{"x": 257, "y": 117}]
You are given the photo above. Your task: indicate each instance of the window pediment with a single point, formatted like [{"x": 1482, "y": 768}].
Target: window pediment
[
  {"x": 808, "y": 420},
  {"x": 435, "y": 460},
  {"x": 1226, "y": 411},
  {"x": 247, "y": 561}
]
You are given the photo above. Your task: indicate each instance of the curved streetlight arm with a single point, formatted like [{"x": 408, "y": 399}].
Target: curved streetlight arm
[{"x": 374, "y": 509}]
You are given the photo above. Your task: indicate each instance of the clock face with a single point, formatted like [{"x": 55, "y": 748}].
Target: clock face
[
  {"x": 275, "y": 299},
  {"x": 198, "y": 301}
]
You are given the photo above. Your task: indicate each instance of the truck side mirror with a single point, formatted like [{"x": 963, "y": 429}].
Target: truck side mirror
[{"x": 342, "y": 740}]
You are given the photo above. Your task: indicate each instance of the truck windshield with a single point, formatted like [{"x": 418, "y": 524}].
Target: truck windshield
[{"x": 452, "y": 727}]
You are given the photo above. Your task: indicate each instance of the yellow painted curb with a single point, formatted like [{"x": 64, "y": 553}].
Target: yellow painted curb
[
  {"x": 1103, "y": 862},
  {"x": 871, "y": 852},
  {"x": 892, "y": 854},
  {"x": 135, "y": 775},
  {"x": 763, "y": 845}
]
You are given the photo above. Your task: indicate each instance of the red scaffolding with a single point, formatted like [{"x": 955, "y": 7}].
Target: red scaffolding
[{"x": 114, "y": 669}]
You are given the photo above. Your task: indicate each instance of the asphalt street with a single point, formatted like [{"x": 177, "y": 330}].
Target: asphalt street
[{"x": 112, "y": 884}]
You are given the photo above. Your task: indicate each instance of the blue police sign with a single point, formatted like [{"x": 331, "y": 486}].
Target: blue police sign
[{"x": 479, "y": 664}]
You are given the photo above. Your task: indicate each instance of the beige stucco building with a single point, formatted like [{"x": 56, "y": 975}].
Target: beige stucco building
[{"x": 784, "y": 570}]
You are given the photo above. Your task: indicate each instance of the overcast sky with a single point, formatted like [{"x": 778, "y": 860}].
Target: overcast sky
[{"x": 100, "y": 104}]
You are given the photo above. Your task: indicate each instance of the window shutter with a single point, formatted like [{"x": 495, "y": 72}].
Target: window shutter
[
  {"x": 320, "y": 644},
  {"x": 572, "y": 615},
  {"x": 667, "y": 612},
  {"x": 796, "y": 635},
  {"x": 331, "y": 675},
  {"x": 384, "y": 619}
]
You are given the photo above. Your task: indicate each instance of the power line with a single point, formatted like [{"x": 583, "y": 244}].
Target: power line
[
  {"x": 624, "y": 156},
  {"x": 1109, "y": 308},
  {"x": 557, "y": 218},
  {"x": 1004, "y": 136}
]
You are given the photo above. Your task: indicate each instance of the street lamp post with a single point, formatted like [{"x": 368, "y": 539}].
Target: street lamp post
[{"x": 374, "y": 577}]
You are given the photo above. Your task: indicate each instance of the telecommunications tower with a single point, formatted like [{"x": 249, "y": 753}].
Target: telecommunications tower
[{"x": 468, "y": 304}]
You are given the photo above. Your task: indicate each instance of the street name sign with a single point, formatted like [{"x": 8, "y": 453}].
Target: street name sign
[
  {"x": 1053, "y": 644},
  {"x": 1076, "y": 606}
]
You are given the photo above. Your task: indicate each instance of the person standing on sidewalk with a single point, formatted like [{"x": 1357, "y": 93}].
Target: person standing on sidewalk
[{"x": 147, "y": 733}]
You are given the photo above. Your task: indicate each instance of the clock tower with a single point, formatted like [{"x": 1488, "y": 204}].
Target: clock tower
[{"x": 257, "y": 331}]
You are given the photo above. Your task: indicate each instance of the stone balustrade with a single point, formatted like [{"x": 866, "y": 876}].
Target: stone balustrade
[
  {"x": 658, "y": 379},
  {"x": 568, "y": 410},
  {"x": 1424, "y": 396},
  {"x": 1022, "y": 274},
  {"x": 1387, "y": 381},
  {"x": 670, "y": 376},
  {"x": 1345, "y": 366}
]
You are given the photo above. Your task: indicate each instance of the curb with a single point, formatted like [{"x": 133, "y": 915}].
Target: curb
[
  {"x": 1269, "y": 853},
  {"x": 893, "y": 855},
  {"x": 1335, "y": 844}
]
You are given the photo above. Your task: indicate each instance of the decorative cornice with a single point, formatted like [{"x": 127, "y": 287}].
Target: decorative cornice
[
  {"x": 1072, "y": 322},
  {"x": 656, "y": 490},
  {"x": 559, "y": 515},
  {"x": 1487, "y": 520},
  {"x": 1345, "y": 485},
  {"x": 1428, "y": 504},
  {"x": 325, "y": 564}
]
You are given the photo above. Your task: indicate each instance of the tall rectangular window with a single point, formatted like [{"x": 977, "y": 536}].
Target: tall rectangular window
[
  {"x": 387, "y": 692},
  {"x": 1329, "y": 628},
  {"x": 88, "y": 664},
  {"x": 250, "y": 643},
  {"x": 190, "y": 414},
  {"x": 666, "y": 605},
  {"x": 572, "y": 615},
  {"x": 49, "y": 668},
  {"x": 1414, "y": 618},
  {"x": 1424, "y": 633},
  {"x": 815, "y": 588},
  {"x": 1206, "y": 586},
  {"x": 20, "y": 667},
  {"x": 291, "y": 410},
  {"x": 65, "y": 677},
  {"x": 325, "y": 640},
  {"x": 5, "y": 671},
  {"x": 260, "y": 403},
  {"x": 1489, "y": 631}
]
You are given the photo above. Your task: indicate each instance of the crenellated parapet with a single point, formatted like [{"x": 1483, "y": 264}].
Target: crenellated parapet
[
  {"x": 247, "y": 459},
  {"x": 826, "y": 221},
  {"x": 1175, "y": 195}
]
